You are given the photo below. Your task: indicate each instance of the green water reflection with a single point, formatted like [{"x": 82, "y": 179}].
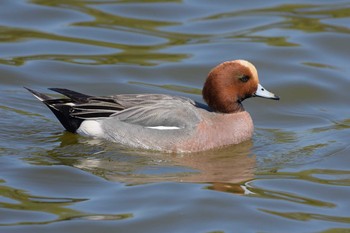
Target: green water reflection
[
  {"x": 307, "y": 18},
  {"x": 61, "y": 208}
]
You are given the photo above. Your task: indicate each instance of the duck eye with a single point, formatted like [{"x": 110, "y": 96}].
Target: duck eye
[{"x": 244, "y": 78}]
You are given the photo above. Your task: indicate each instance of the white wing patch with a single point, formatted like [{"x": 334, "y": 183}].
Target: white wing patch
[{"x": 164, "y": 127}]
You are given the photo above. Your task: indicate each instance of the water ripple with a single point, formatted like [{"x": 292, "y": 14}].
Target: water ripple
[{"x": 293, "y": 175}]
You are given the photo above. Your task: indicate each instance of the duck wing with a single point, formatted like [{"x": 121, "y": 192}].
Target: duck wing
[
  {"x": 173, "y": 113},
  {"x": 148, "y": 110}
]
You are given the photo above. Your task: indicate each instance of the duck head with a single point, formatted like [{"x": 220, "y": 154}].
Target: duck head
[{"x": 231, "y": 82}]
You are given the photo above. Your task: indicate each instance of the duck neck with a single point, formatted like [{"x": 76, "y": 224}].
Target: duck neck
[
  {"x": 228, "y": 106},
  {"x": 238, "y": 107},
  {"x": 233, "y": 107}
]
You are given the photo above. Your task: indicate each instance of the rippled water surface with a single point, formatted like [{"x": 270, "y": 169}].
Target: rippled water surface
[{"x": 293, "y": 176}]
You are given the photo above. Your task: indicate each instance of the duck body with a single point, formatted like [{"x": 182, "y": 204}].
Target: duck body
[
  {"x": 190, "y": 129},
  {"x": 164, "y": 122}
]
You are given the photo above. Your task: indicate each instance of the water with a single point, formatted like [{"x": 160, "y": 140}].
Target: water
[{"x": 293, "y": 176}]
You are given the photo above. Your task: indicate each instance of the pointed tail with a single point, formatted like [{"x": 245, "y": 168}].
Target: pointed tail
[{"x": 61, "y": 108}]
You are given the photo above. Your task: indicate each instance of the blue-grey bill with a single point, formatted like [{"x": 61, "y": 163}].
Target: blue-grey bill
[{"x": 262, "y": 92}]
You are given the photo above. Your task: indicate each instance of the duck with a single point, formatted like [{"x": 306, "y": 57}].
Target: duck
[{"x": 164, "y": 122}]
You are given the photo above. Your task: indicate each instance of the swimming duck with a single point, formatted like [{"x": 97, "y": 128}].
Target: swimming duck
[{"x": 164, "y": 122}]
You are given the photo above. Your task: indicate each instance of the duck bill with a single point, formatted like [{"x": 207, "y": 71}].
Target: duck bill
[{"x": 262, "y": 92}]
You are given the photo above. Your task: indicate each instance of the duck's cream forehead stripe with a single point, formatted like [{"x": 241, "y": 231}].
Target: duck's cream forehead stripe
[
  {"x": 249, "y": 65},
  {"x": 244, "y": 63}
]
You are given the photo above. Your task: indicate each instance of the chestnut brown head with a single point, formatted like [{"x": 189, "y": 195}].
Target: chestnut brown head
[{"x": 229, "y": 83}]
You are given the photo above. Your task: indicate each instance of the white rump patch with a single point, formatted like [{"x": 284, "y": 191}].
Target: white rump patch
[
  {"x": 164, "y": 127},
  {"x": 90, "y": 128},
  {"x": 70, "y": 104}
]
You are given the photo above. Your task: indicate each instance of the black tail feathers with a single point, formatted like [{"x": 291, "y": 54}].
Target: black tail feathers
[
  {"x": 75, "y": 97},
  {"x": 38, "y": 95},
  {"x": 62, "y": 107}
]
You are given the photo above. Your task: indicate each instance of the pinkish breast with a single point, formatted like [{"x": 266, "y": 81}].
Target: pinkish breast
[{"x": 218, "y": 130}]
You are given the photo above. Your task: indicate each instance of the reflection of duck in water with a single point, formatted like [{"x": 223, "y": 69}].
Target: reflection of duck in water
[
  {"x": 223, "y": 170},
  {"x": 226, "y": 169},
  {"x": 163, "y": 122}
]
